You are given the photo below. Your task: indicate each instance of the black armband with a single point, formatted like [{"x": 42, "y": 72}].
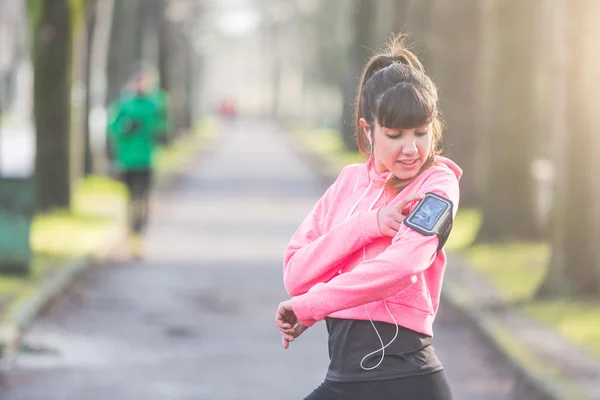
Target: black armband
[{"x": 432, "y": 216}]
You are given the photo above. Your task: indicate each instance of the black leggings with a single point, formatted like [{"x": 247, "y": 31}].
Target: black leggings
[
  {"x": 424, "y": 387},
  {"x": 138, "y": 184}
]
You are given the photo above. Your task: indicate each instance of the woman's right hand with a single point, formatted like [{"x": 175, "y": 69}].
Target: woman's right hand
[
  {"x": 288, "y": 335},
  {"x": 390, "y": 218},
  {"x": 288, "y": 323}
]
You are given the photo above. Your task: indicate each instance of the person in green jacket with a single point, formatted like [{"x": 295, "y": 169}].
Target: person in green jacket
[{"x": 138, "y": 123}]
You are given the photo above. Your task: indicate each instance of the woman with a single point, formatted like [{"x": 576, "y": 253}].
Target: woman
[
  {"x": 138, "y": 123},
  {"x": 354, "y": 263}
]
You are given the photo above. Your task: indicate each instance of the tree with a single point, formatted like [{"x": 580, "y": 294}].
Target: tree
[
  {"x": 455, "y": 57},
  {"x": 400, "y": 13},
  {"x": 125, "y": 45},
  {"x": 418, "y": 22},
  {"x": 327, "y": 34},
  {"x": 574, "y": 268},
  {"x": 90, "y": 26},
  {"x": 52, "y": 51},
  {"x": 163, "y": 44},
  {"x": 510, "y": 121},
  {"x": 175, "y": 43},
  {"x": 361, "y": 49},
  {"x": 125, "y": 48}
]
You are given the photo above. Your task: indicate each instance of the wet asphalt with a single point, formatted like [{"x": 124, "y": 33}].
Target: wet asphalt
[{"x": 194, "y": 318}]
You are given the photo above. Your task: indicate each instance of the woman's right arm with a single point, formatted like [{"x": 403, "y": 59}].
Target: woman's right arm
[{"x": 315, "y": 256}]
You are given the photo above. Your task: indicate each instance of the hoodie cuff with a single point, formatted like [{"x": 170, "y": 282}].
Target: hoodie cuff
[
  {"x": 369, "y": 224},
  {"x": 303, "y": 311}
]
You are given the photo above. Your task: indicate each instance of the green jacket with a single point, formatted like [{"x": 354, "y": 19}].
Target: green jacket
[
  {"x": 161, "y": 99},
  {"x": 135, "y": 124}
]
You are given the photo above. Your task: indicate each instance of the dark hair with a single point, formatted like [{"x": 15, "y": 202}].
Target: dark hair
[{"x": 395, "y": 91}]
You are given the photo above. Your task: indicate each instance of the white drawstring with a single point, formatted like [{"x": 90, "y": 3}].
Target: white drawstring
[
  {"x": 359, "y": 200},
  {"x": 383, "y": 347}
]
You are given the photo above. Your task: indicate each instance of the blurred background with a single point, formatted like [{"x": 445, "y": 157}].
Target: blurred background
[{"x": 518, "y": 83}]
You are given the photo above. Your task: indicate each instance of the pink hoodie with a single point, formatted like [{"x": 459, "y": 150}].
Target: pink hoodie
[{"x": 325, "y": 267}]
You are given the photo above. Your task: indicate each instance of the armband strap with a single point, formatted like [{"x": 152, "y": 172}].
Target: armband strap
[{"x": 432, "y": 216}]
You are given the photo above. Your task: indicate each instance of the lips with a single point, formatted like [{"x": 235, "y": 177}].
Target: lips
[{"x": 408, "y": 163}]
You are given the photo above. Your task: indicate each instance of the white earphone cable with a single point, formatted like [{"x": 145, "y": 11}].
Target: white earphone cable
[{"x": 383, "y": 347}]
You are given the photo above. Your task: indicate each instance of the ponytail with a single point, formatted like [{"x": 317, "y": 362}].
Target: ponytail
[
  {"x": 377, "y": 98},
  {"x": 396, "y": 51}
]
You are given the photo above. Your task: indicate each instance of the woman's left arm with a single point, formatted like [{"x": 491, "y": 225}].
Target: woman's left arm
[{"x": 376, "y": 279}]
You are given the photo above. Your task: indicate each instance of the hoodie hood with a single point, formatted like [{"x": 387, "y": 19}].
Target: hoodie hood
[{"x": 451, "y": 165}]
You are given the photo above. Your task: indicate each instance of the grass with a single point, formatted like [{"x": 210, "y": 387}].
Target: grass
[
  {"x": 98, "y": 206},
  {"x": 514, "y": 268},
  {"x": 464, "y": 230},
  {"x": 574, "y": 319},
  {"x": 61, "y": 235}
]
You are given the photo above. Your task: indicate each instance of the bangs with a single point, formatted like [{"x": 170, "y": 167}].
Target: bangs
[{"x": 405, "y": 107}]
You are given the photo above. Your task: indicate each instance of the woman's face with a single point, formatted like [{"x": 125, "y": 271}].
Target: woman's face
[
  {"x": 138, "y": 83},
  {"x": 400, "y": 151}
]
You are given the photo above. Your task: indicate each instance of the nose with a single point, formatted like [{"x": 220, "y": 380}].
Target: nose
[{"x": 409, "y": 147}]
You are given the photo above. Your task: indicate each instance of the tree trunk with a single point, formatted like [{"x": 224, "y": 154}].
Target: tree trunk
[
  {"x": 189, "y": 85},
  {"x": 163, "y": 47},
  {"x": 418, "y": 16},
  {"x": 347, "y": 124},
  {"x": 456, "y": 68},
  {"x": 511, "y": 123},
  {"x": 90, "y": 27},
  {"x": 176, "y": 79},
  {"x": 52, "y": 103},
  {"x": 574, "y": 268},
  {"x": 401, "y": 16},
  {"x": 124, "y": 47},
  {"x": 361, "y": 49}
]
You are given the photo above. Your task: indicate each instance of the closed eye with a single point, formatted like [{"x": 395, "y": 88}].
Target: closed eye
[{"x": 420, "y": 134}]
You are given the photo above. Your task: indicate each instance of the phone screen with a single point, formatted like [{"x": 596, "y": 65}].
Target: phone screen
[{"x": 428, "y": 213}]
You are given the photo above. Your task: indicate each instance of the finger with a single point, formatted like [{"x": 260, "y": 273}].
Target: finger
[
  {"x": 407, "y": 200},
  {"x": 399, "y": 218},
  {"x": 401, "y": 205},
  {"x": 284, "y": 325},
  {"x": 395, "y": 225},
  {"x": 279, "y": 318},
  {"x": 285, "y": 343},
  {"x": 287, "y": 307},
  {"x": 282, "y": 316},
  {"x": 289, "y": 330}
]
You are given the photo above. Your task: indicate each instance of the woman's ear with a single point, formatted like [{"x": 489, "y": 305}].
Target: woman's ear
[{"x": 366, "y": 129}]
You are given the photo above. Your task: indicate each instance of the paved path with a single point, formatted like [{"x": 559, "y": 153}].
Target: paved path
[{"x": 194, "y": 320}]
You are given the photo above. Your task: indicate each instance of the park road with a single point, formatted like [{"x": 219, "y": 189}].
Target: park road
[{"x": 194, "y": 318}]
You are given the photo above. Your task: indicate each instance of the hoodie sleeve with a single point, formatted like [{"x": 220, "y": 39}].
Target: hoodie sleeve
[
  {"x": 314, "y": 255},
  {"x": 383, "y": 276},
  {"x": 114, "y": 120}
]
